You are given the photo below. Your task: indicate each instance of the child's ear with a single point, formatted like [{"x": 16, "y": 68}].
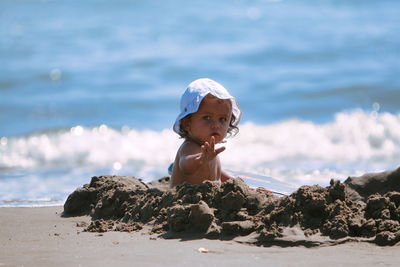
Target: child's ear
[{"x": 185, "y": 124}]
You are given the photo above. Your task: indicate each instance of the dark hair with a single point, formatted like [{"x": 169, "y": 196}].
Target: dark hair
[{"x": 232, "y": 129}]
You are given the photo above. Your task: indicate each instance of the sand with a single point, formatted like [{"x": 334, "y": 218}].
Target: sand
[
  {"x": 121, "y": 221},
  {"x": 364, "y": 209},
  {"x": 41, "y": 237}
]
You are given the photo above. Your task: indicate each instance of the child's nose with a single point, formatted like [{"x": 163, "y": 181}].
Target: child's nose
[{"x": 214, "y": 124}]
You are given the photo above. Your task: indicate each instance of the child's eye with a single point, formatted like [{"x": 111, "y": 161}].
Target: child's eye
[
  {"x": 222, "y": 119},
  {"x": 206, "y": 118}
]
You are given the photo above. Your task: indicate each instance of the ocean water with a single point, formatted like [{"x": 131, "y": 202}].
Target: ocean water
[{"x": 93, "y": 87}]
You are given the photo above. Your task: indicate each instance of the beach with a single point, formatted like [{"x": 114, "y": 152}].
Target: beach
[
  {"x": 317, "y": 102},
  {"x": 41, "y": 237},
  {"x": 87, "y": 108},
  {"x": 121, "y": 221}
]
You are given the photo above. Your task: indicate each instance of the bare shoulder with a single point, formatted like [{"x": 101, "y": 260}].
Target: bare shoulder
[{"x": 188, "y": 147}]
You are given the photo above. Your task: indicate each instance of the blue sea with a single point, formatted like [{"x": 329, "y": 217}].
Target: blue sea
[{"x": 93, "y": 87}]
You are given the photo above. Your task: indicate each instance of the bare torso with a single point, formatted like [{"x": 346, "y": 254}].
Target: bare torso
[{"x": 208, "y": 171}]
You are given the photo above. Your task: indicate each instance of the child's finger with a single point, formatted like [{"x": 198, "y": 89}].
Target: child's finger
[
  {"x": 212, "y": 142},
  {"x": 219, "y": 150},
  {"x": 206, "y": 146}
]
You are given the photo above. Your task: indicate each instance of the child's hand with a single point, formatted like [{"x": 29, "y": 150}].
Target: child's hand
[{"x": 208, "y": 151}]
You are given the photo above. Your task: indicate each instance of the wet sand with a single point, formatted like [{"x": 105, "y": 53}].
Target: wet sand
[{"x": 41, "y": 237}]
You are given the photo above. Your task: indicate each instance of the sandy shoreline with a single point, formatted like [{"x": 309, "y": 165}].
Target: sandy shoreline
[{"x": 41, "y": 237}]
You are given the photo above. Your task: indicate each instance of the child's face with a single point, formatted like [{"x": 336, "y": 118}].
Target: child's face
[{"x": 211, "y": 119}]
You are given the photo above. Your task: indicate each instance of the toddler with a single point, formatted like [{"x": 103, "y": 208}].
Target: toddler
[{"x": 208, "y": 114}]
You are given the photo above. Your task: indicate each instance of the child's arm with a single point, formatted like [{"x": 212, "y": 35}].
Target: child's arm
[
  {"x": 189, "y": 163},
  {"x": 225, "y": 176}
]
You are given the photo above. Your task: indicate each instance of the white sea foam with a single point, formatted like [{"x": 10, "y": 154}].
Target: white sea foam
[
  {"x": 92, "y": 147},
  {"x": 305, "y": 152},
  {"x": 51, "y": 164}
]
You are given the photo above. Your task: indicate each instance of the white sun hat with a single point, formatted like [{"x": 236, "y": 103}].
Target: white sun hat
[{"x": 194, "y": 94}]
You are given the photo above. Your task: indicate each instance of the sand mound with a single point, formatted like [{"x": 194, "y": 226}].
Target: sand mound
[{"x": 312, "y": 216}]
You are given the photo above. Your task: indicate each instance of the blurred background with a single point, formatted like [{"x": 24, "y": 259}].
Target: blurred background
[{"x": 93, "y": 87}]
